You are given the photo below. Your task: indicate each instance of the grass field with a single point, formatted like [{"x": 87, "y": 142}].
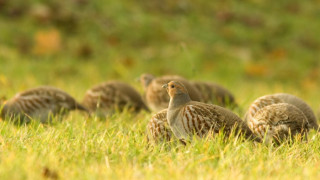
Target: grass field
[{"x": 251, "y": 47}]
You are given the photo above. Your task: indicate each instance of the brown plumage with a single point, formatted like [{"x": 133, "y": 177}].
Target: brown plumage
[
  {"x": 214, "y": 93},
  {"x": 303, "y": 106},
  {"x": 260, "y": 103},
  {"x": 40, "y": 103},
  {"x": 278, "y": 122},
  {"x": 283, "y": 98},
  {"x": 158, "y": 129},
  {"x": 187, "y": 117},
  {"x": 105, "y": 98},
  {"x": 156, "y": 97}
]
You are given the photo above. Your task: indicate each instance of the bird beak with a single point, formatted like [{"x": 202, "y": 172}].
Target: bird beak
[{"x": 165, "y": 86}]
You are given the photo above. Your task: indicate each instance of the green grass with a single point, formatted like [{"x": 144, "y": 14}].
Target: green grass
[
  {"x": 80, "y": 148},
  {"x": 251, "y": 47}
]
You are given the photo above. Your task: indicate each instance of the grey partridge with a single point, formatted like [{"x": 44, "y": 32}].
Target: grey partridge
[
  {"x": 278, "y": 122},
  {"x": 303, "y": 106},
  {"x": 283, "y": 98},
  {"x": 41, "y": 103},
  {"x": 187, "y": 118},
  {"x": 156, "y": 97},
  {"x": 108, "y": 97}
]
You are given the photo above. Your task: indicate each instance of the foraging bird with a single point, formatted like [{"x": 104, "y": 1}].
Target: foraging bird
[
  {"x": 156, "y": 97},
  {"x": 260, "y": 103},
  {"x": 186, "y": 117},
  {"x": 158, "y": 129},
  {"x": 214, "y": 93},
  {"x": 278, "y": 122},
  {"x": 41, "y": 103},
  {"x": 107, "y": 97},
  {"x": 303, "y": 106},
  {"x": 283, "y": 98}
]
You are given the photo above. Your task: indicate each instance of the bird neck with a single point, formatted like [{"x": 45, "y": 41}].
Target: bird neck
[{"x": 179, "y": 100}]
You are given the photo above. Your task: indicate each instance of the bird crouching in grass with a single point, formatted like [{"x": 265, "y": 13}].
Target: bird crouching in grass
[
  {"x": 41, "y": 103},
  {"x": 279, "y": 122},
  {"x": 303, "y": 106},
  {"x": 156, "y": 97},
  {"x": 283, "y": 98},
  {"x": 187, "y": 118},
  {"x": 158, "y": 129},
  {"x": 108, "y": 97}
]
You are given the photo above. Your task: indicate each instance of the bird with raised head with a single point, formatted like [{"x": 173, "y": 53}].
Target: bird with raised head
[
  {"x": 156, "y": 97},
  {"x": 41, "y": 103},
  {"x": 187, "y": 118},
  {"x": 107, "y": 97}
]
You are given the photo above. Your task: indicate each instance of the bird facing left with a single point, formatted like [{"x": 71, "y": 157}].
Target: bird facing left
[{"x": 187, "y": 118}]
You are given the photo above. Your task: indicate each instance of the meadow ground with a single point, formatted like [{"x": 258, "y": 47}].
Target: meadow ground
[{"x": 251, "y": 47}]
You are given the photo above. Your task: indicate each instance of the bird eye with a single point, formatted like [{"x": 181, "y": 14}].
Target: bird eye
[{"x": 172, "y": 86}]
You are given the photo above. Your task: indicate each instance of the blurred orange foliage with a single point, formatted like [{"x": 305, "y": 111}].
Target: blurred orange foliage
[
  {"x": 256, "y": 70},
  {"x": 47, "y": 42},
  {"x": 278, "y": 54},
  {"x": 308, "y": 84}
]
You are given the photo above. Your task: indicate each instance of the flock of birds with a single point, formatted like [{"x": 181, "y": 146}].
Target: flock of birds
[{"x": 183, "y": 109}]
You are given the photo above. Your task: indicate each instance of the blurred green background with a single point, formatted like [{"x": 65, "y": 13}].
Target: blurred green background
[{"x": 252, "y": 47}]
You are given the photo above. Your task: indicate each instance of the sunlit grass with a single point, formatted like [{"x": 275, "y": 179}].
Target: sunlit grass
[
  {"x": 81, "y": 148},
  {"x": 253, "y": 48}
]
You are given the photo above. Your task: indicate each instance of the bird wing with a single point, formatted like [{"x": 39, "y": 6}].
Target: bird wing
[
  {"x": 201, "y": 118},
  {"x": 58, "y": 96},
  {"x": 272, "y": 115}
]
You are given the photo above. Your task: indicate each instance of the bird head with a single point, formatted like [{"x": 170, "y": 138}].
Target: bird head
[
  {"x": 145, "y": 80},
  {"x": 175, "y": 88}
]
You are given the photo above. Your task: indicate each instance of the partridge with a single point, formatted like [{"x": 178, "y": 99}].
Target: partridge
[
  {"x": 41, "y": 103},
  {"x": 260, "y": 103},
  {"x": 107, "y": 97},
  {"x": 158, "y": 129},
  {"x": 214, "y": 93},
  {"x": 283, "y": 98},
  {"x": 303, "y": 106},
  {"x": 186, "y": 117},
  {"x": 278, "y": 122},
  {"x": 156, "y": 97}
]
